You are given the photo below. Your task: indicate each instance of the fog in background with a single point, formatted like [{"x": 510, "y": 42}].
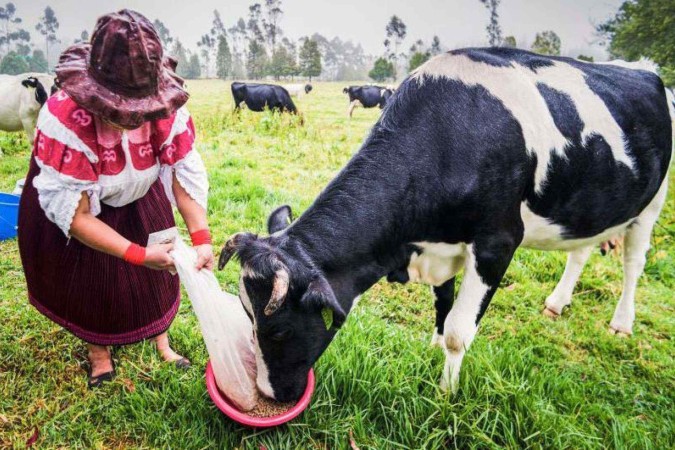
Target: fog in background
[{"x": 458, "y": 23}]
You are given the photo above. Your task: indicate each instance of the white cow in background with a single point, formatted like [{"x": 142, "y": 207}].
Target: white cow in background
[
  {"x": 298, "y": 90},
  {"x": 21, "y": 97}
]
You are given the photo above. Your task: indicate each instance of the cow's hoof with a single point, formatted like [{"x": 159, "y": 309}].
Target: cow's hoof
[
  {"x": 550, "y": 313},
  {"x": 620, "y": 332},
  {"x": 436, "y": 340}
]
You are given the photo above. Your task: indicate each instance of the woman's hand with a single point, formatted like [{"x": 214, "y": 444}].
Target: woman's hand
[
  {"x": 157, "y": 257},
  {"x": 205, "y": 259}
]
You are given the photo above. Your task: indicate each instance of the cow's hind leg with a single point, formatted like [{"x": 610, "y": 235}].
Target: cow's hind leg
[
  {"x": 636, "y": 245},
  {"x": 486, "y": 262},
  {"x": 445, "y": 296},
  {"x": 562, "y": 294}
]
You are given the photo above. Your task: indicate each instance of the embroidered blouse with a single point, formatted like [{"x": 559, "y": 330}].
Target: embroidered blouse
[{"x": 78, "y": 152}]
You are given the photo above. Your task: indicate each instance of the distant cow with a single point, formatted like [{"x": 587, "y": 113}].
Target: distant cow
[
  {"x": 297, "y": 90},
  {"x": 480, "y": 152},
  {"x": 257, "y": 97},
  {"x": 21, "y": 97},
  {"x": 367, "y": 96}
]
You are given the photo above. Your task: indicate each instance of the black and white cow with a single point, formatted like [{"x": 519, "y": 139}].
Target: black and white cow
[
  {"x": 479, "y": 152},
  {"x": 297, "y": 90},
  {"x": 257, "y": 97},
  {"x": 21, "y": 97},
  {"x": 367, "y": 96}
]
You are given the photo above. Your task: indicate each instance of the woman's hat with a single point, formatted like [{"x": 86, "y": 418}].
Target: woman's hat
[{"x": 122, "y": 74}]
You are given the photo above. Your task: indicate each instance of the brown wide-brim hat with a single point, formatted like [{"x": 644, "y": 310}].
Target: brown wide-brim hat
[{"x": 122, "y": 75}]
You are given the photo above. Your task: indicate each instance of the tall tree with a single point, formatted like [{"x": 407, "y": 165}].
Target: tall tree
[
  {"x": 547, "y": 43},
  {"x": 37, "y": 62},
  {"x": 47, "y": 26},
  {"x": 223, "y": 59},
  {"x": 271, "y": 25},
  {"x": 13, "y": 64},
  {"x": 310, "y": 58},
  {"x": 8, "y": 22},
  {"x": 435, "y": 46},
  {"x": 509, "y": 41},
  {"x": 382, "y": 70},
  {"x": 494, "y": 30},
  {"x": 417, "y": 59},
  {"x": 643, "y": 28},
  {"x": 256, "y": 61},
  {"x": 84, "y": 37},
  {"x": 180, "y": 53},
  {"x": 164, "y": 34},
  {"x": 253, "y": 24},
  {"x": 238, "y": 40},
  {"x": 396, "y": 32},
  {"x": 206, "y": 43},
  {"x": 281, "y": 64},
  {"x": 194, "y": 68}
]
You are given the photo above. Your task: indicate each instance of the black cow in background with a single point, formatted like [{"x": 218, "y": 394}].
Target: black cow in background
[
  {"x": 257, "y": 97},
  {"x": 367, "y": 96}
]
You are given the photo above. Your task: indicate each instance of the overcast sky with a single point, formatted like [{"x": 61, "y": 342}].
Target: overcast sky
[{"x": 458, "y": 23}]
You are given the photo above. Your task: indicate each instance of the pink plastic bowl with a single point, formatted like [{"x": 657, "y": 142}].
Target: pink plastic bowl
[{"x": 233, "y": 413}]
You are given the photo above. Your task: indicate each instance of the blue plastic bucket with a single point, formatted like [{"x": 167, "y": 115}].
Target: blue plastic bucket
[{"x": 9, "y": 215}]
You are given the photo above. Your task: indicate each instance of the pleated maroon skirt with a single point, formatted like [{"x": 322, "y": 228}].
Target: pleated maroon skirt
[{"x": 99, "y": 298}]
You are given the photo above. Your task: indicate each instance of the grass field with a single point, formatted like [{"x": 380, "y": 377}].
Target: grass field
[{"x": 527, "y": 382}]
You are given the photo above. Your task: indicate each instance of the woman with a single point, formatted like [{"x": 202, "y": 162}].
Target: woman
[{"x": 113, "y": 150}]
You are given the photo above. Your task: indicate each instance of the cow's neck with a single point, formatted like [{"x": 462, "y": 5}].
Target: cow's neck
[{"x": 357, "y": 228}]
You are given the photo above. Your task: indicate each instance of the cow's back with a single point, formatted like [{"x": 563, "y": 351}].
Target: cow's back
[{"x": 586, "y": 145}]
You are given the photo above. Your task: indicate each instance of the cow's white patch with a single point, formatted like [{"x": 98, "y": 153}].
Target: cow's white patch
[
  {"x": 263, "y": 374},
  {"x": 516, "y": 87},
  {"x": 590, "y": 107},
  {"x": 437, "y": 263},
  {"x": 460, "y": 325},
  {"x": 542, "y": 234}
]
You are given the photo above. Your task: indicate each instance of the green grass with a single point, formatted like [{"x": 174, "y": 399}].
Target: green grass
[{"x": 527, "y": 382}]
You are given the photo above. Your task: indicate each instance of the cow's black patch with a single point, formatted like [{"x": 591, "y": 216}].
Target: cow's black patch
[
  {"x": 564, "y": 112},
  {"x": 505, "y": 57}
]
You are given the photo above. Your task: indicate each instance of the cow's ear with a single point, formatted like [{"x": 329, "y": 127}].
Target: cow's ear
[
  {"x": 29, "y": 82},
  {"x": 279, "y": 219},
  {"x": 320, "y": 296}
]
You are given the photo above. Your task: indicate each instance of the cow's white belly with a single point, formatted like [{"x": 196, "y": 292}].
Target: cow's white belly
[
  {"x": 542, "y": 234},
  {"x": 437, "y": 263}
]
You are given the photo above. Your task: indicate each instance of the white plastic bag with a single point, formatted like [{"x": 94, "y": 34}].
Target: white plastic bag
[{"x": 227, "y": 330}]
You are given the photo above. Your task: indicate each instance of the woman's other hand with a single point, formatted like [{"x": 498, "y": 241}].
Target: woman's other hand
[
  {"x": 157, "y": 257},
  {"x": 205, "y": 258}
]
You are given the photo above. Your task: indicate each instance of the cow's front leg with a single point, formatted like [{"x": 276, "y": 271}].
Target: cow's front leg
[
  {"x": 486, "y": 263},
  {"x": 352, "y": 105},
  {"x": 445, "y": 296}
]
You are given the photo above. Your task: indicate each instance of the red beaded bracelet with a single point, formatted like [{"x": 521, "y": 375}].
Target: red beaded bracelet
[
  {"x": 201, "y": 237},
  {"x": 135, "y": 254}
]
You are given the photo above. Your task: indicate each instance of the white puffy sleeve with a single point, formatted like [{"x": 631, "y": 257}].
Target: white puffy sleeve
[{"x": 177, "y": 154}]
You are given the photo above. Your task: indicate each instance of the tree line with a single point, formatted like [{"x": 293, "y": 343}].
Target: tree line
[{"x": 256, "y": 46}]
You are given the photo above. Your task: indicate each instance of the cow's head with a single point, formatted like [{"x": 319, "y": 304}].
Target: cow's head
[
  {"x": 40, "y": 92},
  {"x": 294, "y": 309},
  {"x": 345, "y": 90},
  {"x": 41, "y": 95},
  {"x": 308, "y": 88}
]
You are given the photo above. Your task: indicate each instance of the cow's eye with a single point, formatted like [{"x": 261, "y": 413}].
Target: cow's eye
[{"x": 282, "y": 335}]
